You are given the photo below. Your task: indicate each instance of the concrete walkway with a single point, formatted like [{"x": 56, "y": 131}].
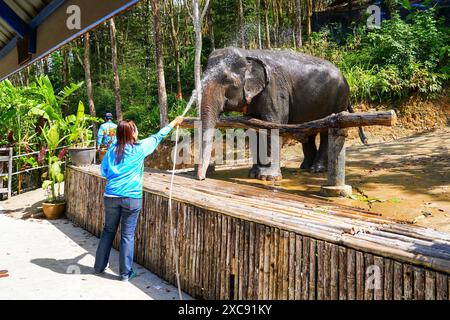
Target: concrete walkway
[{"x": 54, "y": 259}]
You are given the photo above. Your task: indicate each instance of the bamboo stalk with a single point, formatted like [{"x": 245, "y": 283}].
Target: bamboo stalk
[
  {"x": 342, "y": 273},
  {"x": 351, "y": 274},
  {"x": 388, "y": 279},
  {"x": 298, "y": 267}
]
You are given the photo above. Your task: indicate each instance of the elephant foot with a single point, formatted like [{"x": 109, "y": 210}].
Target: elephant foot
[
  {"x": 265, "y": 173},
  {"x": 319, "y": 166}
]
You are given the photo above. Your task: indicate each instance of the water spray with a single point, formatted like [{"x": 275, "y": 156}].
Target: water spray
[{"x": 172, "y": 229}]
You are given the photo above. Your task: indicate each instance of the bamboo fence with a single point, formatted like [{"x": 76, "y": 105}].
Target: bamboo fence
[{"x": 241, "y": 242}]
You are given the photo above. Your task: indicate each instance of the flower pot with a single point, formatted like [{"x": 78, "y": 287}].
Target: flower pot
[
  {"x": 53, "y": 211},
  {"x": 82, "y": 156}
]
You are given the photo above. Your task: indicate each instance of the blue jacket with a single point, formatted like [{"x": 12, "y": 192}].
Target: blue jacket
[
  {"x": 103, "y": 133},
  {"x": 125, "y": 179}
]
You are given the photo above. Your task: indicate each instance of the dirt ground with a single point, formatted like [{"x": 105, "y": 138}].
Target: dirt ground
[
  {"x": 403, "y": 174},
  {"x": 407, "y": 179}
]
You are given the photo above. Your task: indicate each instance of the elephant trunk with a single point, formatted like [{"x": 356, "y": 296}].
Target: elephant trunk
[{"x": 212, "y": 102}]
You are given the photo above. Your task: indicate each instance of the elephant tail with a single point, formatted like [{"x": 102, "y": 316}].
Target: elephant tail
[{"x": 362, "y": 135}]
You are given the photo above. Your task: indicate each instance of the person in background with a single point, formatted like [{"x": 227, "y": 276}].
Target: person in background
[
  {"x": 123, "y": 168},
  {"x": 106, "y": 132}
]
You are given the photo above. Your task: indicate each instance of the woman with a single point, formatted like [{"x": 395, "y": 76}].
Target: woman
[{"x": 123, "y": 168}]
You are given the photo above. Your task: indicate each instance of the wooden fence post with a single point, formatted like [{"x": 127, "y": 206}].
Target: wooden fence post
[{"x": 336, "y": 165}]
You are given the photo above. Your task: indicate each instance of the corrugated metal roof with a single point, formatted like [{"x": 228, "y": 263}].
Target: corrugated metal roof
[{"x": 27, "y": 10}]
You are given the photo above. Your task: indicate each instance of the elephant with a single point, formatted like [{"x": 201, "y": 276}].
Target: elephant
[{"x": 284, "y": 87}]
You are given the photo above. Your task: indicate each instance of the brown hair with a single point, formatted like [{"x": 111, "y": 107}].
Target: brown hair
[{"x": 125, "y": 131}]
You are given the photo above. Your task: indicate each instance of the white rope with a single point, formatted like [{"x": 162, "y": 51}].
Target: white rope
[{"x": 174, "y": 249}]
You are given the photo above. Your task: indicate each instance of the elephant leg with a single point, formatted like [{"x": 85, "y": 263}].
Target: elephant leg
[
  {"x": 268, "y": 165},
  {"x": 309, "y": 153},
  {"x": 321, "y": 161}
]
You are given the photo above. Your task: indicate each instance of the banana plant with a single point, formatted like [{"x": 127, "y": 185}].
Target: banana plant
[
  {"x": 51, "y": 103},
  {"x": 79, "y": 127},
  {"x": 51, "y": 134}
]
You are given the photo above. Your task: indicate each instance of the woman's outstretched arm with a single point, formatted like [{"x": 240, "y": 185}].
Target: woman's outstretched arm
[{"x": 152, "y": 142}]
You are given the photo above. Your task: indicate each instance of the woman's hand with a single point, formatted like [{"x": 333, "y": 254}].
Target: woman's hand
[{"x": 177, "y": 122}]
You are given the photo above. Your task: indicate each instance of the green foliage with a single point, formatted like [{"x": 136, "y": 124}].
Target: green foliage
[
  {"x": 31, "y": 119},
  {"x": 79, "y": 127},
  {"x": 396, "y": 60},
  {"x": 51, "y": 134}
]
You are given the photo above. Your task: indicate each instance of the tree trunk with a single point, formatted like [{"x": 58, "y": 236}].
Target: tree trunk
[
  {"x": 87, "y": 73},
  {"x": 161, "y": 80},
  {"x": 211, "y": 32},
  {"x": 198, "y": 21},
  {"x": 242, "y": 23},
  {"x": 267, "y": 24},
  {"x": 258, "y": 16},
  {"x": 308, "y": 17},
  {"x": 176, "y": 46},
  {"x": 298, "y": 39},
  {"x": 119, "y": 114},
  {"x": 65, "y": 73}
]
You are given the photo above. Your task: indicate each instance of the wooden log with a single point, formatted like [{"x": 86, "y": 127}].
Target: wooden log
[
  {"x": 305, "y": 268},
  {"x": 228, "y": 258},
  {"x": 442, "y": 286},
  {"x": 320, "y": 270},
  {"x": 298, "y": 267},
  {"x": 251, "y": 269},
  {"x": 378, "y": 262},
  {"x": 398, "y": 281},
  {"x": 267, "y": 253},
  {"x": 300, "y": 131},
  {"x": 262, "y": 254},
  {"x": 368, "y": 285},
  {"x": 342, "y": 273},
  {"x": 388, "y": 279},
  {"x": 419, "y": 284},
  {"x": 312, "y": 269},
  {"x": 279, "y": 267},
  {"x": 286, "y": 263},
  {"x": 327, "y": 271},
  {"x": 334, "y": 278},
  {"x": 291, "y": 279},
  {"x": 360, "y": 275},
  {"x": 236, "y": 259},
  {"x": 430, "y": 285}
]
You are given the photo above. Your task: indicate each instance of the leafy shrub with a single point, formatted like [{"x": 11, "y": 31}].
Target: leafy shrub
[{"x": 400, "y": 58}]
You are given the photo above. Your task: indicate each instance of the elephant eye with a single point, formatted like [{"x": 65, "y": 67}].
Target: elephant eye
[{"x": 226, "y": 80}]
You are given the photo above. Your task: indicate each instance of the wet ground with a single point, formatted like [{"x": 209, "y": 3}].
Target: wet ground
[{"x": 407, "y": 179}]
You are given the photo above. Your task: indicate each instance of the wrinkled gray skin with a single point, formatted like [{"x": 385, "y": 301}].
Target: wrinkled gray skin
[{"x": 279, "y": 86}]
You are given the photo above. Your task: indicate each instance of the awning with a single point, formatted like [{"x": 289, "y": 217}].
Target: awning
[{"x": 32, "y": 29}]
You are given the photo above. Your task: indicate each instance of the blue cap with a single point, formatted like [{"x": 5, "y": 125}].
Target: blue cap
[{"x": 109, "y": 115}]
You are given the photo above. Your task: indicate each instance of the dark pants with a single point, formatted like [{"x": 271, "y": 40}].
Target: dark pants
[{"x": 126, "y": 212}]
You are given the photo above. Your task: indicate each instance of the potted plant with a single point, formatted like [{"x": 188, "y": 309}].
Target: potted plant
[
  {"x": 55, "y": 204},
  {"x": 81, "y": 152}
]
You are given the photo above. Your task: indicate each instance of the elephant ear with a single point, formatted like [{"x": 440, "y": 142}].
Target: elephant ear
[{"x": 256, "y": 78}]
